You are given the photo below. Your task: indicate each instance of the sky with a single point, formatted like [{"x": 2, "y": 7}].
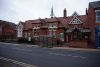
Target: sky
[{"x": 22, "y": 10}]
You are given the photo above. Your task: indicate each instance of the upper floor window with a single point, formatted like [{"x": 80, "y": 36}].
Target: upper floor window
[
  {"x": 54, "y": 25},
  {"x": 50, "y": 25},
  {"x": 98, "y": 16}
]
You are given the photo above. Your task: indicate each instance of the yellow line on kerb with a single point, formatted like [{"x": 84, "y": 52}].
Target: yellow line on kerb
[{"x": 17, "y": 62}]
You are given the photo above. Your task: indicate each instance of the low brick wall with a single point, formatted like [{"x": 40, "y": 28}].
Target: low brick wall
[{"x": 82, "y": 44}]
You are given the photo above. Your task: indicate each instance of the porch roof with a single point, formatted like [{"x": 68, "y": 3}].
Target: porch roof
[
  {"x": 85, "y": 30},
  {"x": 81, "y": 30}
]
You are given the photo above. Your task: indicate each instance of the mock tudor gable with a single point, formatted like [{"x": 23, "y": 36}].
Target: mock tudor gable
[{"x": 75, "y": 19}]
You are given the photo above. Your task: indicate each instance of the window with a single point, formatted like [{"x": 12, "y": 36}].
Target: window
[
  {"x": 29, "y": 34},
  {"x": 50, "y": 33},
  {"x": 54, "y": 29},
  {"x": 97, "y": 16},
  {"x": 75, "y": 20},
  {"x": 19, "y": 33},
  {"x": 50, "y": 29},
  {"x": 54, "y": 25},
  {"x": 50, "y": 25}
]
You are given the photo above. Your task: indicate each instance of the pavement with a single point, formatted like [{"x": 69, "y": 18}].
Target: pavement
[
  {"x": 79, "y": 49},
  {"x": 55, "y": 48}
]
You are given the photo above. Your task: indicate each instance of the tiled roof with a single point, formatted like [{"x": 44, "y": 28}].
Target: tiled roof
[
  {"x": 13, "y": 25},
  {"x": 63, "y": 22},
  {"x": 95, "y": 4},
  {"x": 82, "y": 18},
  {"x": 51, "y": 19},
  {"x": 28, "y": 24}
]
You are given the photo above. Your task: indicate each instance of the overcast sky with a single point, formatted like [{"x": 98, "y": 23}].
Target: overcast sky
[{"x": 21, "y": 10}]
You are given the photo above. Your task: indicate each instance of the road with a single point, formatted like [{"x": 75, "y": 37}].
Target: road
[{"x": 27, "y": 56}]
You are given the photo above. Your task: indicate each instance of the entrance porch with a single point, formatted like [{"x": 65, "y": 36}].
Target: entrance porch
[{"x": 78, "y": 37}]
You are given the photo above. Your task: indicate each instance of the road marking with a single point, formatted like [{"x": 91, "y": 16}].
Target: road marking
[
  {"x": 82, "y": 57},
  {"x": 17, "y": 62},
  {"x": 74, "y": 56},
  {"x": 22, "y": 49},
  {"x": 69, "y": 55}
]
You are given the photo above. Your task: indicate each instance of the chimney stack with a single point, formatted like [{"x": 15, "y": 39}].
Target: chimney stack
[
  {"x": 65, "y": 13},
  {"x": 86, "y": 11}
]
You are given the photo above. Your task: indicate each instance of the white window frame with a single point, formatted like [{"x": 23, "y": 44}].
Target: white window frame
[
  {"x": 54, "y": 25},
  {"x": 97, "y": 16},
  {"x": 50, "y": 33},
  {"x": 54, "y": 29},
  {"x": 19, "y": 32},
  {"x": 50, "y": 25}
]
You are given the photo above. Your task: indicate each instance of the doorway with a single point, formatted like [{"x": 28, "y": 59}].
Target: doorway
[{"x": 99, "y": 39}]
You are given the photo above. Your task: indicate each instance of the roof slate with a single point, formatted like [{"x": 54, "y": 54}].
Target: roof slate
[{"x": 13, "y": 25}]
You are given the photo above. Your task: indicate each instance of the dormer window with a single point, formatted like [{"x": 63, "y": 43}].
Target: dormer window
[{"x": 97, "y": 15}]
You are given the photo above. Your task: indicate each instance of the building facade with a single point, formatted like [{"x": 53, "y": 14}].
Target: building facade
[
  {"x": 7, "y": 30},
  {"x": 74, "y": 31},
  {"x": 94, "y": 22}
]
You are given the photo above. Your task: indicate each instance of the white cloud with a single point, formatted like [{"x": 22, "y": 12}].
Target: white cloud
[{"x": 21, "y": 10}]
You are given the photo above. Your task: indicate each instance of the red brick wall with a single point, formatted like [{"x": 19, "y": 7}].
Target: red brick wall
[
  {"x": 75, "y": 43},
  {"x": 91, "y": 22},
  {"x": 43, "y": 31},
  {"x": 8, "y": 32}
]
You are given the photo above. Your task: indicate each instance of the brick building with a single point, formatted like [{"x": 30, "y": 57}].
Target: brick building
[
  {"x": 75, "y": 31},
  {"x": 7, "y": 30},
  {"x": 93, "y": 14}
]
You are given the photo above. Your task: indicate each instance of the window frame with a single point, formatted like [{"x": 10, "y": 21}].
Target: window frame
[{"x": 97, "y": 16}]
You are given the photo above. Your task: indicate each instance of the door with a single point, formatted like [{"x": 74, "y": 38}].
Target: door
[{"x": 99, "y": 38}]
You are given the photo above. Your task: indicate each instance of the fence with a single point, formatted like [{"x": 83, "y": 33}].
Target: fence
[{"x": 46, "y": 41}]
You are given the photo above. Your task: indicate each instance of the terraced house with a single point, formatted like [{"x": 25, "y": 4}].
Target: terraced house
[{"x": 74, "y": 31}]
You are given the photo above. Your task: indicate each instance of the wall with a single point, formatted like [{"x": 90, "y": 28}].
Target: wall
[{"x": 91, "y": 23}]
